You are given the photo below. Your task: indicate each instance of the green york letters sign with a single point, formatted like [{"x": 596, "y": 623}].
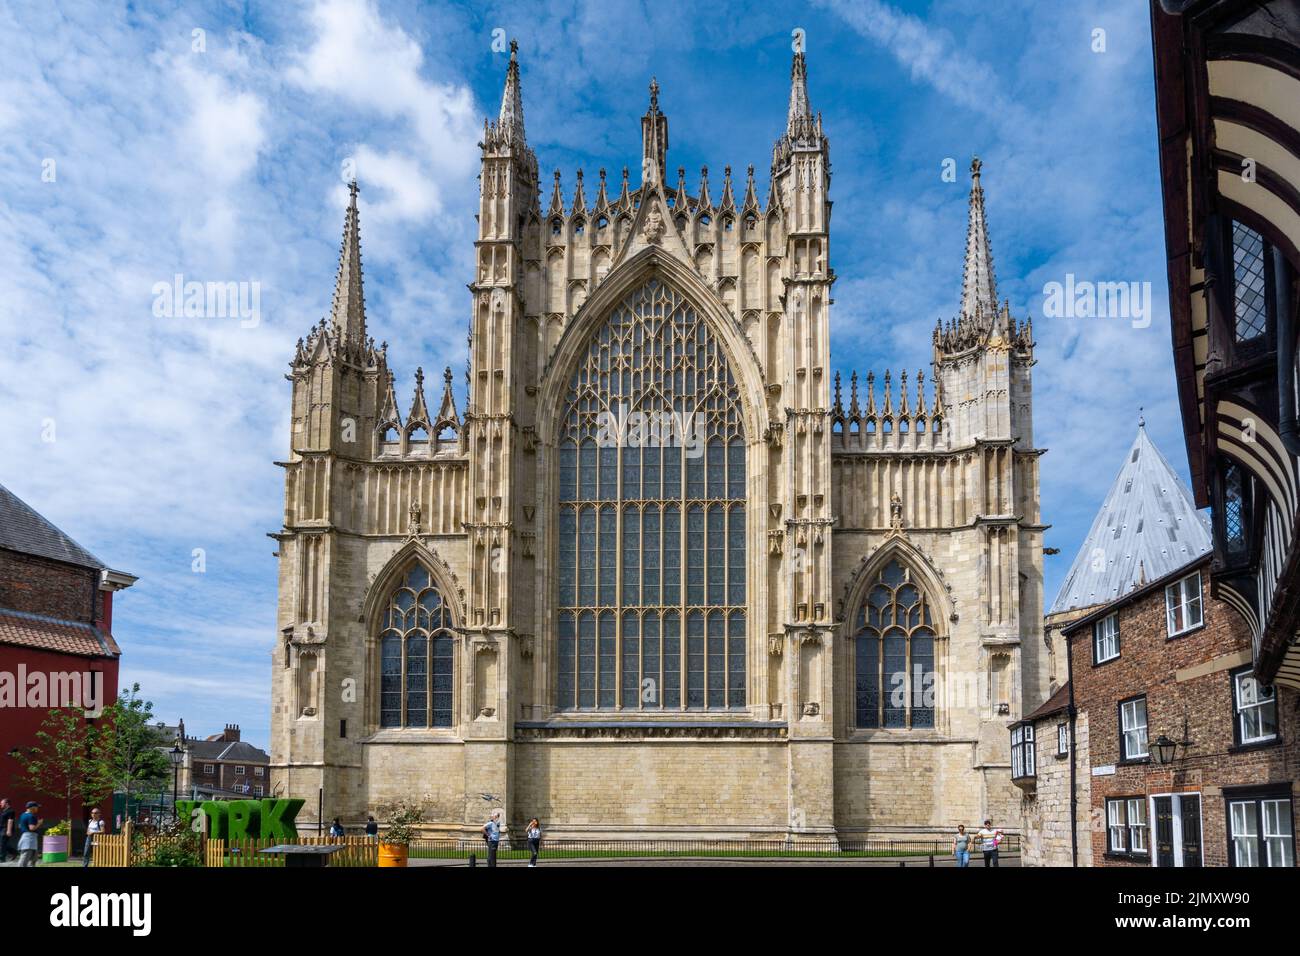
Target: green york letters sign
[{"x": 242, "y": 819}]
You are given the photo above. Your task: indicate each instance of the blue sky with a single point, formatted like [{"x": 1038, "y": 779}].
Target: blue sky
[{"x": 148, "y": 437}]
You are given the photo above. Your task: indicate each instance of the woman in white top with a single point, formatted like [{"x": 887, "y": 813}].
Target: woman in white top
[
  {"x": 93, "y": 827},
  {"x": 534, "y": 839}
]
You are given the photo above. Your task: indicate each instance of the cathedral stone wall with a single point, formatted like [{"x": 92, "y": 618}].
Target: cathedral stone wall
[
  {"x": 1045, "y": 810},
  {"x": 883, "y": 787},
  {"x": 719, "y": 788}
]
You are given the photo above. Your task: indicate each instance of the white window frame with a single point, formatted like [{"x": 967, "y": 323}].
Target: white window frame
[
  {"x": 1022, "y": 752},
  {"x": 1130, "y": 725},
  {"x": 1184, "y": 601},
  {"x": 1260, "y": 703},
  {"x": 1062, "y": 739},
  {"x": 1259, "y": 839},
  {"x": 1243, "y": 834},
  {"x": 209, "y": 768},
  {"x": 1105, "y": 634},
  {"x": 239, "y": 770},
  {"x": 1116, "y": 825},
  {"x": 1138, "y": 833},
  {"x": 259, "y": 771},
  {"x": 1277, "y": 803}
]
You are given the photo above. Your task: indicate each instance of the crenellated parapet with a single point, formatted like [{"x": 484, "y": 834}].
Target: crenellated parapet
[{"x": 913, "y": 424}]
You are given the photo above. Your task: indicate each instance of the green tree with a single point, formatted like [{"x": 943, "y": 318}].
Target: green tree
[
  {"x": 68, "y": 761},
  {"x": 132, "y": 745}
]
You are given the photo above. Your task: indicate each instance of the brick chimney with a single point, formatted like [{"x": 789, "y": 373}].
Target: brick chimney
[{"x": 231, "y": 733}]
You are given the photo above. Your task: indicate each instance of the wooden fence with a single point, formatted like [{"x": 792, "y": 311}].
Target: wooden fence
[
  {"x": 360, "y": 851},
  {"x": 135, "y": 849}
]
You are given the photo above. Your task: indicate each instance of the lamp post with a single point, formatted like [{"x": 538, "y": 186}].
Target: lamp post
[{"x": 178, "y": 755}]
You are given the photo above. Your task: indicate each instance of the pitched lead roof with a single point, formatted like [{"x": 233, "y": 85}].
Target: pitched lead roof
[{"x": 1147, "y": 527}]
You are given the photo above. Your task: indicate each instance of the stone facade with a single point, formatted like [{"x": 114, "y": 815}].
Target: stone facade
[
  {"x": 942, "y": 482},
  {"x": 1188, "y": 689},
  {"x": 1046, "y": 837}
]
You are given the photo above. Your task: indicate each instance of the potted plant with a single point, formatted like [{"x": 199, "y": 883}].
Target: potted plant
[
  {"x": 395, "y": 841},
  {"x": 54, "y": 844}
]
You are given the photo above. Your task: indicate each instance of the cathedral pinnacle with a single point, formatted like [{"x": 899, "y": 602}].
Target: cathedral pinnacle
[
  {"x": 978, "y": 287},
  {"x": 800, "y": 113},
  {"x": 803, "y": 130},
  {"x": 419, "y": 413},
  {"x": 510, "y": 122},
  {"x": 348, "y": 312},
  {"x": 654, "y": 139}
]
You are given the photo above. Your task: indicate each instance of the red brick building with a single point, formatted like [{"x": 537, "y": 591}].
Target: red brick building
[
  {"x": 56, "y": 618},
  {"x": 1191, "y": 761},
  {"x": 223, "y": 765}
]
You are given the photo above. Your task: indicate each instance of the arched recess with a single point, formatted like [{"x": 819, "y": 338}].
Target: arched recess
[
  {"x": 447, "y": 619},
  {"x": 651, "y": 263},
  {"x": 916, "y": 642},
  {"x": 721, "y": 624}
]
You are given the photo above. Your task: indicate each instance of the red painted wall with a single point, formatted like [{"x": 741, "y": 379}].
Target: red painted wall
[{"x": 18, "y": 727}]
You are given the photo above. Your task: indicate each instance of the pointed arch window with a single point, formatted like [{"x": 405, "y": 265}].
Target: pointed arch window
[
  {"x": 894, "y": 653},
  {"x": 650, "y": 523},
  {"x": 416, "y": 655}
]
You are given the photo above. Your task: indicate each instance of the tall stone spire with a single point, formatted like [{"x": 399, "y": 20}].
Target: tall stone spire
[
  {"x": 654, "y": 140},
  {"x": 800, "y": 115},
  {"x": 803, "y": 129},
  {"x": 510, "y": 122},
  {"x": 348, "y": 313},
  {"x": 979, "y": 294}
]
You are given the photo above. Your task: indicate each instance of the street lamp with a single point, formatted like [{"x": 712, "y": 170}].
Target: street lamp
[
  {"x": 1163, "y": 750},
  {"x": 178, "y": 755}
]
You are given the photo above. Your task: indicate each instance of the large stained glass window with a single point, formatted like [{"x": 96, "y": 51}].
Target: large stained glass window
[
  {"x": 651, "y": 517},
  {"x": 894, "y": 654},
  {"x": 415, "y": 655}
]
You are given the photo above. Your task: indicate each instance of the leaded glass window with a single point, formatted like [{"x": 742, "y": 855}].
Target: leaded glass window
[
  {"x": 651, "y": 518},
  {"x": 1250, "y": 282},
  {"x": 894, "y": 653},
  {"x": 415, "y": 655}
]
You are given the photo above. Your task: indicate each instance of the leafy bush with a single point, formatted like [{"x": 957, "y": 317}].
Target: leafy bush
[
  {"x": 402, "y": 821},
  {"x": 176, "y": 845},
  {"x": 59, "y": 829}
]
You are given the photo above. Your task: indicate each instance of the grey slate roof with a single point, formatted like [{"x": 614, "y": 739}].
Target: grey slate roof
[
  {"x": 25, "y": 531},
  {"x": 236, "y": 750},
  {"x": 1147, "y": 527}
]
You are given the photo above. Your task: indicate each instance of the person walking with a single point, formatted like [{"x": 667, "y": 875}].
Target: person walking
[
  {"x": 989, "y": 838},
  {"x": 961, "y": 846},
  {"x": 492, "y": 834},
  {"x": 29, "y": 841},
  {"x": 7, "y": 817},
  {"x": 336, "y": 828},
  {"x": 534, "y": 840},
  {"x": 372, "y": 828},
  {"x": 94, "y": 827}
]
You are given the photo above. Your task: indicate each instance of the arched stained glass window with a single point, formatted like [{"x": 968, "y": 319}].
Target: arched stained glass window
[
  {"x": 651, "y": 518},
  {"x": 894, "y": 653},
  {"x": 415, "y": 655}
]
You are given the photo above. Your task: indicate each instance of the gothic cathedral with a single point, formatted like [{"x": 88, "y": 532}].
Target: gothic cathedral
[{"x": 663, "y": 576}]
